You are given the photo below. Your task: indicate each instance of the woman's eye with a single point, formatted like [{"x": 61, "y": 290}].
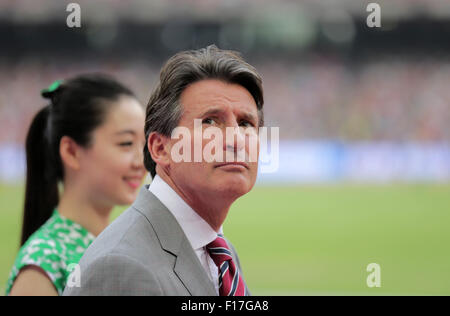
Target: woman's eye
[{"x": 126, "y": 144}]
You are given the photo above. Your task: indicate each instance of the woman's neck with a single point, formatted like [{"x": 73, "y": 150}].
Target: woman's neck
[{"x": 76, "y": 206}]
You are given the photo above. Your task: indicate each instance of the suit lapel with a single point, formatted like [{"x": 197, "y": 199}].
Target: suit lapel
[
  {"x": 172, "y": 239},
  {"x": 190, "y": 271}
]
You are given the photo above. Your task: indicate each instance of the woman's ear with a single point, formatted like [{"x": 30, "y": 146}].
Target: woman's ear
[
  {"x": 69, "y": 151},
  {"x": 159, "y": 149}
]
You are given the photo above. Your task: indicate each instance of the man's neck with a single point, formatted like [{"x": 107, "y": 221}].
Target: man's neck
[{"x": 212, "y": 210}]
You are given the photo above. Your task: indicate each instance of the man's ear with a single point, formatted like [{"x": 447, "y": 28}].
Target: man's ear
[
  {"x": 159, "y": 148},
  {"x": 70, "y": 152}
]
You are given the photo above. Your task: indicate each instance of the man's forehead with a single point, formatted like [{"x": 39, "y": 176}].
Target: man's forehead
[{"x": 214, "y": 96}]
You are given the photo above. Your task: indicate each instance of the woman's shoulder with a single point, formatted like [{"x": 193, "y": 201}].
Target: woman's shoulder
[
  {"x": 61, "y": 232},
  {"x": 42, "y": 243},
  {"x": 53, "y": 247},
  {"x": 57, "y": 241},
  {"x": 43, "y": 251}
]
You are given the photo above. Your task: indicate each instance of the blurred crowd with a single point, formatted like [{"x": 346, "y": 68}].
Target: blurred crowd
[
  {"x": 380, "y": 100},
  {"x": 323, "y": 98}
]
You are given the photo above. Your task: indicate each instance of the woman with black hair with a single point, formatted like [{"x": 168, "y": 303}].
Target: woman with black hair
[{"x": 88, "y": 142}]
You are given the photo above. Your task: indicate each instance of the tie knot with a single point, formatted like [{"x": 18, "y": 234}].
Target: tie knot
[
  {"x": 218, "y": 250},
  {"x": 219, "y": 242}
]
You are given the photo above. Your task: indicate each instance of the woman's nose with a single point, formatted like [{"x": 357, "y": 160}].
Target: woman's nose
[{"x": 138, "y": 159}]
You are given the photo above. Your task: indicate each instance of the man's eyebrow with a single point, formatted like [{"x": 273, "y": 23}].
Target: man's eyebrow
[
  {"x": 246, "y": 115},
  {"x": 250, "y": 117},
  {"x": 212, "y": 111}
]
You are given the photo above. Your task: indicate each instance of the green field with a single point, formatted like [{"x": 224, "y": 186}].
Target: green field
[{"x": 308, "y": 240}]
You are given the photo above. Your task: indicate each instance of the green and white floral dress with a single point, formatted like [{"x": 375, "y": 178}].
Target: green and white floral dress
[{"x": 56, "y": 245}]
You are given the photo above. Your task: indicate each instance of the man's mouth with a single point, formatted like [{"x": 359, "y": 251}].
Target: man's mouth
[{"x": 233, "y": 165}]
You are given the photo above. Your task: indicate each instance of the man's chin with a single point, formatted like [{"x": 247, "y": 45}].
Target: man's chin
[{"x": 235, "y": 187}]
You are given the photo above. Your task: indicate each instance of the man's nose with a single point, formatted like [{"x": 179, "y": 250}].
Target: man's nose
[{"x": 234, "y": 139}]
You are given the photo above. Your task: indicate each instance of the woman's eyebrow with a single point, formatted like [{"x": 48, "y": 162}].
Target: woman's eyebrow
[{"x": 128, "y": 131}]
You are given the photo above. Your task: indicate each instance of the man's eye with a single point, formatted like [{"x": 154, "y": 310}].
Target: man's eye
[
  {"x": 208, "y": 121},
  {"x": 246, "y": 124}
]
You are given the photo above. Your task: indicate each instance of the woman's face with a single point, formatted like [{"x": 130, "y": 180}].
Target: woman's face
[{"x": 112, "y": 166}]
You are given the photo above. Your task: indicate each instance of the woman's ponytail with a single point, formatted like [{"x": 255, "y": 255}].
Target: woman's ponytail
[{"x": 41, "y": 192}]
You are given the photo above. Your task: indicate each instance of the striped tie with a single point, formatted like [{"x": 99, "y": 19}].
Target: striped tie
[{"x": 230, "y": 281}]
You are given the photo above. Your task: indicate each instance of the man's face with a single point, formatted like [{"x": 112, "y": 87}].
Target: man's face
[{"x": 218, "y": 104}]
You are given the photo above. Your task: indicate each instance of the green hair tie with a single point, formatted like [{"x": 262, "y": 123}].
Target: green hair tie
[{"x": 47, "y": 93}]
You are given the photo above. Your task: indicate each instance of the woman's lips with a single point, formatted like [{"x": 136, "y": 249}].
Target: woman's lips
[{"x": 133, "y": 182}]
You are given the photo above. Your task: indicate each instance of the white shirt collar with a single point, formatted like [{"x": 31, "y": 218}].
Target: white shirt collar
[{"x": 196, "y": 229}]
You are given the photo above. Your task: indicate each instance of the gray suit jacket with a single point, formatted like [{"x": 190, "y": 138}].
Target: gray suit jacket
[{"x": 143, "y": 252}]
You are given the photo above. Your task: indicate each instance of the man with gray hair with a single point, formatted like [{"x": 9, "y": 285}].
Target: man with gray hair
[{"x": 170, "y": 241}]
